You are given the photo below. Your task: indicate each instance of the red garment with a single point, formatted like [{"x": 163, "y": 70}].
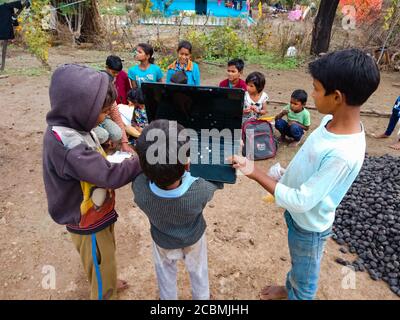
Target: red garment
[
  {"x": 123, "y": 86},
  {"x": 240, "y": 85}
]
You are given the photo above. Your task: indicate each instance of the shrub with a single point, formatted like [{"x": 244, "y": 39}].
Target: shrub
[{"x": 34, "y": 37}]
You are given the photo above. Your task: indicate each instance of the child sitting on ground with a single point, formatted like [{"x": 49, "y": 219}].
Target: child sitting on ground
[
  {"x": 234, "y": 71},
  {"x": 173, "y": 201},
  {"x": 255, "y": 99},
  {"x": 139, "y": 119},
  {"x": 111, "y": 131},
  {"x": 109, "y": 134},
  {"x": 121, "y": 81},
  {"x": 394, "y": 119},
  {"x": 127, "y": 113},
  {"x": 298, "y": 118}
]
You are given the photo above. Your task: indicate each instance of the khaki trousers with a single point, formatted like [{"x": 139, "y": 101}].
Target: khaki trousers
[{"x": 97, "y": 253}]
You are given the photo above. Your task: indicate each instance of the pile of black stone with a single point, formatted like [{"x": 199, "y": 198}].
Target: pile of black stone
[{"x": 368, "y": 221}]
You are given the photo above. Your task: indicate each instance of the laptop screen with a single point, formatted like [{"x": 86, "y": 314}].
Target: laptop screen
[{"x": 195, "y": 107}]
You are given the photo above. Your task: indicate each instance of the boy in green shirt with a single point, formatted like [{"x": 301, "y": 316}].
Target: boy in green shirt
[{"x": 298, "y": 118}]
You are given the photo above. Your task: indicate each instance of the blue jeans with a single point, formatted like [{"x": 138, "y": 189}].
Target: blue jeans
[
  {"x": 294, "y": 130},
  {"x": 394, "y": 118},
  {"x": 306, "y": 251}
]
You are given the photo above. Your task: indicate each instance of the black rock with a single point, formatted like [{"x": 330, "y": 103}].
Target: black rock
[
  {"x": 393, "y": 281},
  {"x": 340, "y": 242},
  {"x": 394, "y": 289},
  {"x": 368, "y": 220},
  {"x": 343, "y": 250},
  {"x": 341, "y": 261}
]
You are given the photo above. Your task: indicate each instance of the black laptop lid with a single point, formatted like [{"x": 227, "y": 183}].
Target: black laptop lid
[{"x": 195, "y": 107}]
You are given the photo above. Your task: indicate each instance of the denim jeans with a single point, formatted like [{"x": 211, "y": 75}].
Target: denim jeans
[
  {"x": 306, "y": 251},
  {"x": 294, "y": 130},
  {"x": 394, "y": 118}
]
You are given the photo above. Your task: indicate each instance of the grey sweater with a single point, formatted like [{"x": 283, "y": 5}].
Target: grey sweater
[{"x": 175, "y": 222}]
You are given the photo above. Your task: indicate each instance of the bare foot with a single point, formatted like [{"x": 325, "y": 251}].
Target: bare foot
[
  {"x": 379, "y": 136},
  {"x": 273, "y": 293},
  {"x": 395, "y": 146},
  {"x": 282, "y": 138},
  {"x": 294, "y": 144},
  {"x": 122, "y": 285}
]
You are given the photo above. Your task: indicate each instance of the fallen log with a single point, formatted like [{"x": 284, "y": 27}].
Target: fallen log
[{"x": 371, "y": 113}]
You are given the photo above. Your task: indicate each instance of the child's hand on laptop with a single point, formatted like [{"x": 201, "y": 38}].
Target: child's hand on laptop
[{"x": 245, "y": 165}]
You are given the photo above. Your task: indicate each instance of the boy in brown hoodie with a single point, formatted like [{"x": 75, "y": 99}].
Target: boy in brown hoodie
[{"x": 78, "y": 179}]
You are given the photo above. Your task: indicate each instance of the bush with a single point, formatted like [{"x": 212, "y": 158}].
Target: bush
[
  {"x": 262, "y": 32},
  {"x": 33, "y": 36},
  {"x": 222, "y": 43},
  {"x": 165, "y": 61}
]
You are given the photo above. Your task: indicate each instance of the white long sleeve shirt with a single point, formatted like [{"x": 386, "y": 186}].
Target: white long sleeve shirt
[{"x": 319, "y": 176}]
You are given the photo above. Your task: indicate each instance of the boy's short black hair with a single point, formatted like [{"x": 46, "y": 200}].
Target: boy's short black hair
[
  {"x": 300, "y": 95},
  {"x": 179, "y": 77},
  {"x": 350, "y": 71},
  {"x": 114, "y": 63},
  {"x": 135, "y": 96},
  {"x": 258, "y": 79},
  {"x": 131, "y": 96},
  {"x": 238, "y": 63},
  {"x": 162, "y": 174}
]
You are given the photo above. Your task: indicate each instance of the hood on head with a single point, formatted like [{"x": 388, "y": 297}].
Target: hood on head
[{"x": 77, "y": 95}]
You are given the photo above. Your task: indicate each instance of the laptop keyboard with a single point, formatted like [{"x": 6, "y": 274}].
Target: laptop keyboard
[{"x": 211, "y": 153}]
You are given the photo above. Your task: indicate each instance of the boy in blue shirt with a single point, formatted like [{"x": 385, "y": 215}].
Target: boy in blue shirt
[{"x": 323, "y": 170}]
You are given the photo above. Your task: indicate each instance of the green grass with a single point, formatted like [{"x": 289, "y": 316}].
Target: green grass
[
  {"x": 271, "y": 61},
  {"x": 30, "y": 72},
  {"x": 211, "y": 70},
  {"x": 116, "y": 9},
  {"x": 267, "y": 60},
  {"x": 96, "y": 65}
]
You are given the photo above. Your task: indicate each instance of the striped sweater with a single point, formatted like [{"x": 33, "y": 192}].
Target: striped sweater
[{"x": 176, "y": 216}]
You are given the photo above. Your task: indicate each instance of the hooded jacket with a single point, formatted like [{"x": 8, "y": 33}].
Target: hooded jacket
[{"x": 78, "y": 179}]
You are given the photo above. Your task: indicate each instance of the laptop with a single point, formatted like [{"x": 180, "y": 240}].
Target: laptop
[{"x": 214, "y": 117}]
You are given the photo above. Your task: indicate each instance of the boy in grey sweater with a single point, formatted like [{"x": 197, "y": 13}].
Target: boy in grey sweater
[{"x": 173, "y": 201}]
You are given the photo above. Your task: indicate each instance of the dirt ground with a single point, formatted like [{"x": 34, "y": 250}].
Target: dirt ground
[{"x": 247, "y": 238}]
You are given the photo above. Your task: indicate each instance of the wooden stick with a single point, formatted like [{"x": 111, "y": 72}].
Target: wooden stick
[
  {"x": 3, "y": 76},
  {"x": 396, "y": 84},
  {"x": 371, "y": 113}
]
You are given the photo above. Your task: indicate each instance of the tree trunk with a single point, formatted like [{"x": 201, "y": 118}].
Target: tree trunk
[
  {"x": 92, "y": 24},
  {"x": 321, "y": 35}
]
